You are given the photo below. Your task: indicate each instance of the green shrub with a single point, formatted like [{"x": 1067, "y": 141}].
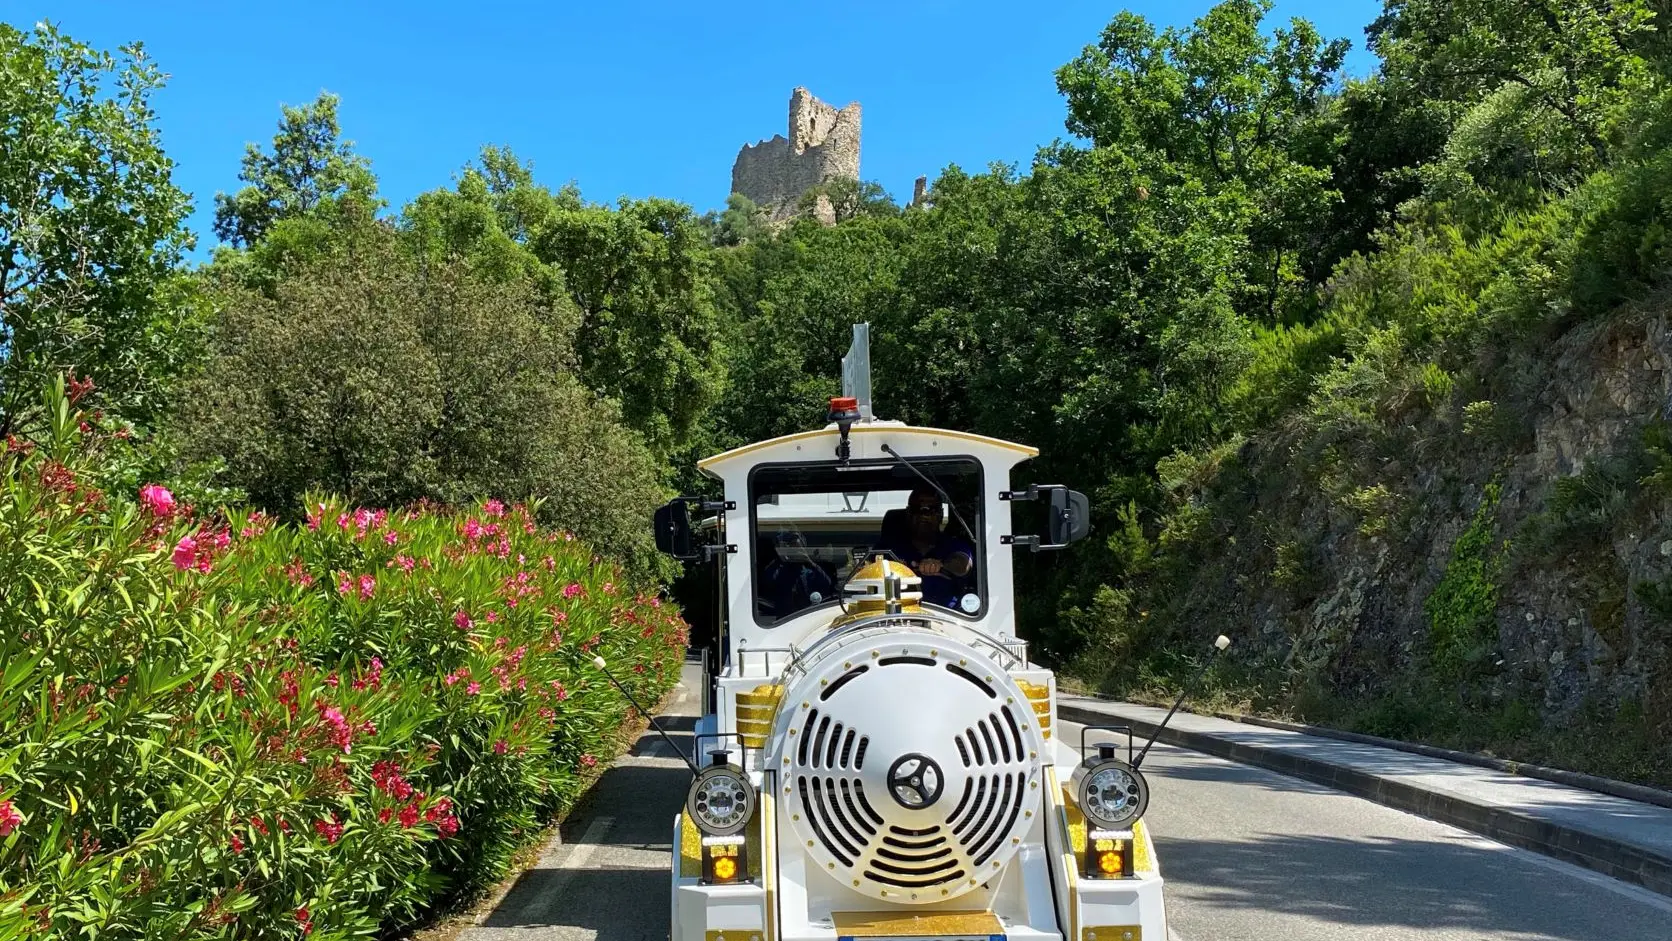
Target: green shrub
[
  {"x": 1375, "y": 506},
  {"x": 1462, "y": 608},
  {"x": 367, "y": 374},
  {"x": 222, "y": 726}
]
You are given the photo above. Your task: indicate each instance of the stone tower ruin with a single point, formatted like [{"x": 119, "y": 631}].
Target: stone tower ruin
[{"x": 823, "y": 145}]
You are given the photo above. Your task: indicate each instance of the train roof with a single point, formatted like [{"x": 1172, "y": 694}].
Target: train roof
[{"x": 867, "y": 436}]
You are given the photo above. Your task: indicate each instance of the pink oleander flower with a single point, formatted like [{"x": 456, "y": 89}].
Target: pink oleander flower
[
  {"x": 409, "y": 815},
  {"x": 473, "y": 688},
  {"x": 185, "y": 552},
  {"x": 341, "y": 735},
  {"x": 461, "y": 621},
  {"x": 494, "y": 508},
  {"x": 236, "y": 844},
  {"x": 9, "y": 818},
  {"x": 331, "y": 830},
  {"x": 388, "y": 778},
  {"x": 571, "y": 590},
  {"x": 499, "y": 747},
  {"x": 588, "y": 761},
  {"x": 391, "y": 537},
  {"x": 367, "y": 584},
  {"x": 157, "y": 499}
]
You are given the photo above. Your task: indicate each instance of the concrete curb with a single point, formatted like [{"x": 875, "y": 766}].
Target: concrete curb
[
  {"x": 1602, "y": 854},
  {"x": 1590, "y": 782}
]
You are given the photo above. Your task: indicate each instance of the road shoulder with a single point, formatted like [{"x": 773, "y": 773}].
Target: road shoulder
[{"x": 1625, "y": 839}]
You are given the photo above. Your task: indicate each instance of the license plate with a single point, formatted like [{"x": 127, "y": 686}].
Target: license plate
[{"x": 923, "y": 937}]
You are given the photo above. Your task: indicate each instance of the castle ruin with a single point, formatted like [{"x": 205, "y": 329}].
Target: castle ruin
[{"x": 823, "y": 145}]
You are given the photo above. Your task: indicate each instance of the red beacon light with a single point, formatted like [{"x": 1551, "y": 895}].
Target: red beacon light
[{"x": 844, "y": 411}]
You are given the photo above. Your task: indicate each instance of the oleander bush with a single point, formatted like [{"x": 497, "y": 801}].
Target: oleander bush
[{"x": 215, "y": 725}]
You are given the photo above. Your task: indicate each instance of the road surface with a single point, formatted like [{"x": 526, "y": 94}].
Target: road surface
[{"x": 1248, "y": 855}]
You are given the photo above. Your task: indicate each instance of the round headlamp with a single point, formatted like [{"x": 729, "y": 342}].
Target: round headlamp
[
  {"x": 1111, "y": 793},
  {"x": 721, "y": 800}
]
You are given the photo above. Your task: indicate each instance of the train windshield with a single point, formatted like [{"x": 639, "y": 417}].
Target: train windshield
[{"x": 812, "y": 523}]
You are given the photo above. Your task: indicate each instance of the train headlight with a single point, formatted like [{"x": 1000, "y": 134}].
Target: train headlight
[
  {"x": 1111, "y": 795},
  {"x": 721, "y": 802}
]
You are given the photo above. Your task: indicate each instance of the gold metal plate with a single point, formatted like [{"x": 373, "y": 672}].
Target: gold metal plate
[
  {"x": 1112, "y": 933},
  {"x": 1143, "y": 856},
  {"x": 733, "y": 934},
  {"x": 690, "y": 848},
  {"x": 897, "y": 925}
]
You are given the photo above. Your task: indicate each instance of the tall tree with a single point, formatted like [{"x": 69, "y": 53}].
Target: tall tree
[
  {"x": 90, "y": 227},
  {"x": 310, "y": 165},
  {"x": 641, "y": 275},
  {"x": 1223, "y": 104}
]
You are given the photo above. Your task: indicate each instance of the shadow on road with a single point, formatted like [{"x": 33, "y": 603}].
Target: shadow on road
[
  {"x": 609, "y": 877},
  {"x": 1390, "y": 883},
  {"x": 1179, "y": 764}
]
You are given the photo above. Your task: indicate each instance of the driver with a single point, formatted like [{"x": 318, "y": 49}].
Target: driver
[{"x": 945, "y": 562}]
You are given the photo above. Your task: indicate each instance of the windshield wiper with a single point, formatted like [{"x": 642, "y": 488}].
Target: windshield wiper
[{"x": 943, "y": 495}]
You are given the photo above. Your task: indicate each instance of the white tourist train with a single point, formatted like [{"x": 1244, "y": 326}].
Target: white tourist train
[{"x": 878, "y": 757}]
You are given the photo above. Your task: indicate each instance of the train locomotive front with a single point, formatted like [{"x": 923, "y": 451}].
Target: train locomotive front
[{"x": 877, "y": 755}]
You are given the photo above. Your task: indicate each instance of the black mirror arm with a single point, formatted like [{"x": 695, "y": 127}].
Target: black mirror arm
[{"x": 1061, "y": 516}]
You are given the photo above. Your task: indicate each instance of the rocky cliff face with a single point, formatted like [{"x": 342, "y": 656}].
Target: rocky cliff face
[{"x": 1476, "y": 563}]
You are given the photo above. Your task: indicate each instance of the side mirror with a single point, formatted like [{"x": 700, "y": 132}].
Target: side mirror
[
  {"x": 673, "y": 530},
  {"x": 1068, "y": 519}
]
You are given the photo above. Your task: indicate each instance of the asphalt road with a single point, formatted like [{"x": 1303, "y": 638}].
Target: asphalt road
[
  {"x": 606, "y": 878},
  {"x": 1248, "y": 855}
]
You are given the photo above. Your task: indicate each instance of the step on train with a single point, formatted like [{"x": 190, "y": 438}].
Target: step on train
[{"x": 877, "y": 757}]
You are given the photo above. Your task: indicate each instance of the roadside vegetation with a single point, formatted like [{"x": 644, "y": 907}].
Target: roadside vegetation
[
  {"x": 305, "y": 554},
  {"x": 1361, "y": 371}
]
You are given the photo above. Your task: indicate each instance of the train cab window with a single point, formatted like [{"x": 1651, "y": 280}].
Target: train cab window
[{"x": 813, "y": 523}]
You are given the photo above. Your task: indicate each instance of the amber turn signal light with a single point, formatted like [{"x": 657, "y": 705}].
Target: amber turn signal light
[
  {"x": 1108, "y": 859},
  {"x": 722, "y": 860}
]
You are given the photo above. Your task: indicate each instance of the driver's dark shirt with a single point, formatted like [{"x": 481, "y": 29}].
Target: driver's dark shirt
[{"x": 944, "y": 588}]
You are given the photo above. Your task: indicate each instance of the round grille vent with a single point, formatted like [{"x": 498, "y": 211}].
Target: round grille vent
[{"x": 910, "y": 763}]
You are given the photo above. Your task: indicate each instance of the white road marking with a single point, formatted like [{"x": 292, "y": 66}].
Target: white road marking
[{"x": 589, "y": 842}]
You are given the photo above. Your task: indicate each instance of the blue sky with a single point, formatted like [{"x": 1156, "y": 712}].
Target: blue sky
[{"x": 629, "y": 99}]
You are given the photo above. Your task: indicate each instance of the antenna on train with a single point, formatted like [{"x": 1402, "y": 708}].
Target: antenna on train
[
  {"x": 1219, "y": 644},
  {"x": 599, "y": 663}
]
